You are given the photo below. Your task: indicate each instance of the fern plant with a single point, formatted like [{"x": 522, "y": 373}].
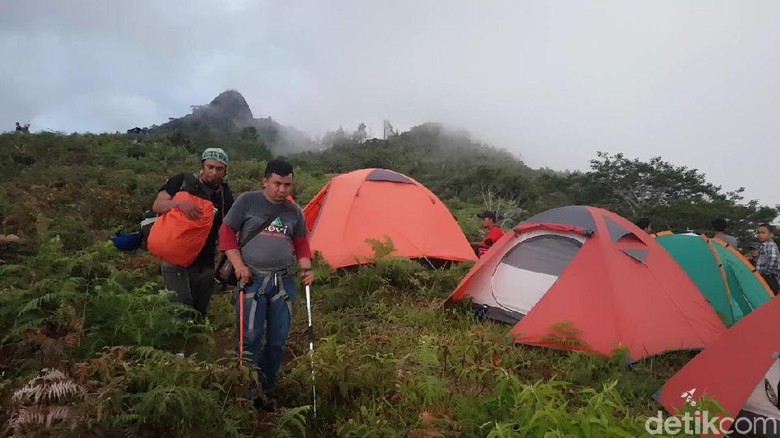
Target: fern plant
[
  {"x": 46, "y": 403},
  {"x": 292, "y": 423}
]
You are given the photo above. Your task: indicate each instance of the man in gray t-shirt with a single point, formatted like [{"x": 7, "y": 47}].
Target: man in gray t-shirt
[
  {"x": 270, "y": 248},
  {"x": 272, "y": 235}
]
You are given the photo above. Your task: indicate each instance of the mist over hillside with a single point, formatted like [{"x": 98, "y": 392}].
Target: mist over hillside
[
  {"x": 228, "y": 117},
  {"x": 229, "y": 114}
]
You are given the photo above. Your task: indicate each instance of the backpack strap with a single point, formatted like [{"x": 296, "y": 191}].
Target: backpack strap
[
  {"x": 282, "y": 207},
  {"x": 222, "y": 199},
  {"x": 190, "y": 180}
]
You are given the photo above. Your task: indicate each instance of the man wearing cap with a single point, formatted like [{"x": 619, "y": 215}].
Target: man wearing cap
[
  {"x": 494, "y": 232},
  {"x": 194, "y": 284}
]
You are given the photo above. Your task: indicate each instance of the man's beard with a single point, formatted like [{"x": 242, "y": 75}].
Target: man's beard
[{"x": 213, "y": 185}]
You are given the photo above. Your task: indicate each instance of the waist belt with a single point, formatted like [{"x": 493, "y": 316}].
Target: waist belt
[{"x": 280, "y": 272}]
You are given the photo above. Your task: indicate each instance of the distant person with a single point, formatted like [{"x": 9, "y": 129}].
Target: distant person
[
  {"x": 194, "y": 284},
  {"x": 494, "y": 232},
  {"x": 752, "y": 253},
  {"x": 719, "y": 225},
  {"x": 18, "y": 128},
  {"x": 644, "y": 224},
  {"x": 768, "y": 264}
]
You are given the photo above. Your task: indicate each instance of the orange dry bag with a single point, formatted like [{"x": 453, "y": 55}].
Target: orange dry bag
[{"x": 178, "y": 239}]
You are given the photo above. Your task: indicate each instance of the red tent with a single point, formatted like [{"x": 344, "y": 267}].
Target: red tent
[
  {"x": 741, "y": 371},
  {"x": 379, "y": 203},
  {"x": 583, "y": 278}
]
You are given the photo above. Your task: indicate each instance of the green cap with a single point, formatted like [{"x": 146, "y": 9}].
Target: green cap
[{"x": 215, "y": 154}]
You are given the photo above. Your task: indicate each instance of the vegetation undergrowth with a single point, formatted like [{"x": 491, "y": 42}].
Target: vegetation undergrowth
[{"x": 91, "y": 346}]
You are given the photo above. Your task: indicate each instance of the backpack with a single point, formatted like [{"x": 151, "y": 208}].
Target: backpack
[{"x": 151, "y": 217}]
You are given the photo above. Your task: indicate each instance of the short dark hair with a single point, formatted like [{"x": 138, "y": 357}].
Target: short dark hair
[
  {"x": 488, "y": 214},
  {"x": 642, "y": 223},
  {"x": 279, "y": 167},
  {"x": 769, "y": 228},
  {"x": 719, "y": 224}
]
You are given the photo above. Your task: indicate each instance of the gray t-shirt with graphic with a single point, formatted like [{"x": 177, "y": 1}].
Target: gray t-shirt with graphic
[{"x": 271, "y": 248}]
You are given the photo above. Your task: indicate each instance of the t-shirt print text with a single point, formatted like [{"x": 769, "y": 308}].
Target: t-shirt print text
[{"x": 276, "y": 227}]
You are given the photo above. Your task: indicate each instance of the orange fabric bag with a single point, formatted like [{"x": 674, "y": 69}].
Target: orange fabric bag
[{"x": 178, "y": 239}]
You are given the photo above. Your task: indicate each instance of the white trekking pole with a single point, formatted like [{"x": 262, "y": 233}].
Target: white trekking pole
[{"x": 311, "y": 350}]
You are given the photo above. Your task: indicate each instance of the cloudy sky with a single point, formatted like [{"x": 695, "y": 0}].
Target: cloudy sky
[{"x": 553, "y": 82}]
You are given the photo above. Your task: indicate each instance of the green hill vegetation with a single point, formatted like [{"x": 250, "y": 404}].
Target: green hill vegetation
[{"x": 89, "y": 344}]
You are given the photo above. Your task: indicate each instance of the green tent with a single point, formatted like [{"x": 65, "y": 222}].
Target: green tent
[{"x": 730, "y": 283}]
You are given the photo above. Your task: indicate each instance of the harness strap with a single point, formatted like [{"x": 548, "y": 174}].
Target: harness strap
[
  {"x": 255, "y": 296},
  {"x": 280, "y": 294},
  {"x": 283, "y": 295}
]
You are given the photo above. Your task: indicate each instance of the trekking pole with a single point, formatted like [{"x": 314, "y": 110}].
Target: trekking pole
[
  {"x": 241, "y": 295},
  {"x": 311, "y": 350}
]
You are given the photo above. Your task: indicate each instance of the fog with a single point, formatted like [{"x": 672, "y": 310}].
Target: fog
[{"x": 693, "y": 82}]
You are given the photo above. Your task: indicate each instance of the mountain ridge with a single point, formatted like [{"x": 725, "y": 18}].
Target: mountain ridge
[{"x": 228, "y": 116}]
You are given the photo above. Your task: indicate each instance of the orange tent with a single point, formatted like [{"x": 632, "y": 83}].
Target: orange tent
[
  {"x": 584, "y": 278},
  {"x": 374, "y": 203}
]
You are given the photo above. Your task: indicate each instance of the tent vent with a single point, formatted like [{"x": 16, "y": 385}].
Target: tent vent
[
  {"x": 387, "y": 175},
  {"x": 574, "y": 215},
  {"x": 639, "y": 255},
  {"x": 616, "y": 231}
]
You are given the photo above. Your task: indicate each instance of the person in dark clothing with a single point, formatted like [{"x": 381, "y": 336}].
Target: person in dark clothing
[
  {"x": 719, "y": 225},
  {"x": 752, "y": 253},
  {"x": 194, "y": 284},
  {"x": 644, "y": 224}
]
